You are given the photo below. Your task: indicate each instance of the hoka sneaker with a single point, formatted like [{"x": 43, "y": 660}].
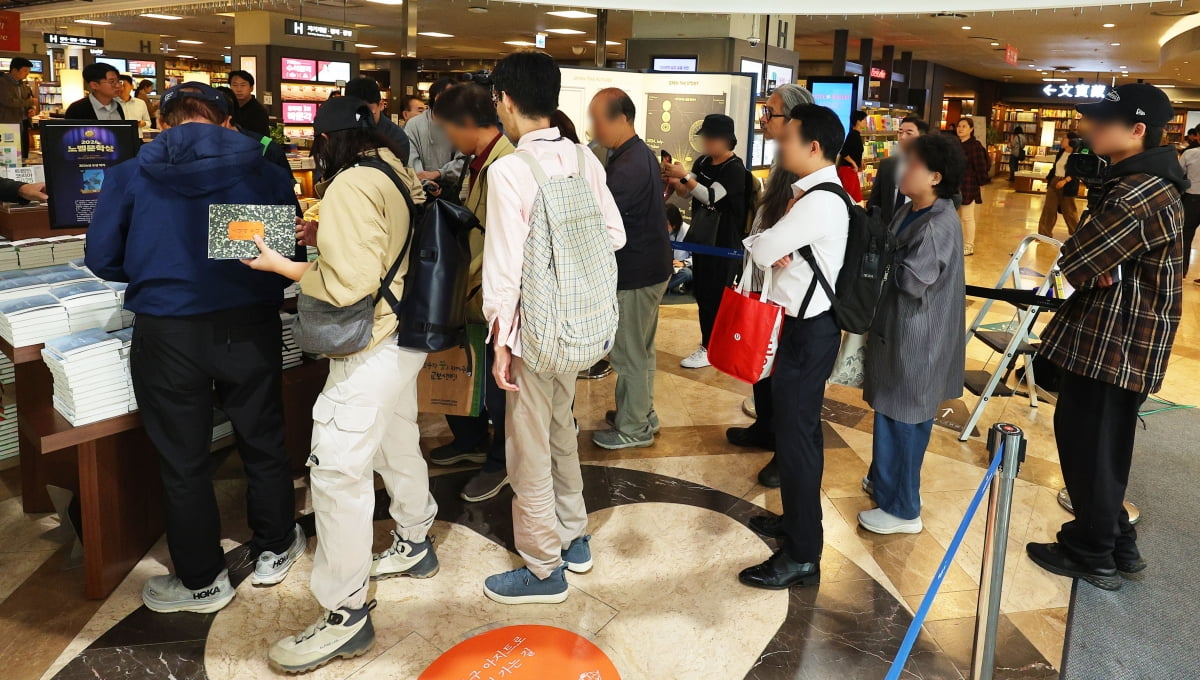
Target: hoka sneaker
[
  {"x": 578, "y": 555},
  {"x": 342, "y": 633},
  {"x": 405, "y": 558},
  {"x": 167, "y": 593},
  {"x": 271, "y": 569},
  {"x": 520, "y": 586}
]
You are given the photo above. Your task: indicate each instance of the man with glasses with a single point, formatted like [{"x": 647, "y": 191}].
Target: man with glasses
[{"x": 101, "y": 103}]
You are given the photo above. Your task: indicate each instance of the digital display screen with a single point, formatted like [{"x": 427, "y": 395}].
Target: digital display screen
[
  {"x": 118, "y": 64},
  {"x": 675, "y": 64},
  {"x": 139, "y": 67},
  {"x": 333, "y": 71},
  {"x": 838, "y": 96},
  {"x": 299, "y": 69},
  {"x": 37, "y": 66},
  {"x": 299, "y": 113}
]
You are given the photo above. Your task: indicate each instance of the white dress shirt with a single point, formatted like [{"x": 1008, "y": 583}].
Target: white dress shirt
[
  {"x": 512, "y": 189},
  {"x": 135, "y": 109},
  {"x": 109, "y": 111},
  {"x": 819, "y": 220}
]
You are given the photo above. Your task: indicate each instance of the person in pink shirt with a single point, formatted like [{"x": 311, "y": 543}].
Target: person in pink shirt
[{"x": 549, "y": 517}]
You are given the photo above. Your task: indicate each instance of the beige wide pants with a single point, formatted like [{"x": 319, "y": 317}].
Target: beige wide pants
[
  {"x": 543, "y": 467},
  {"x": 365, "y": 421}
]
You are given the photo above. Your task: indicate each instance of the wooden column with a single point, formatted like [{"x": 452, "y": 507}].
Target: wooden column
[
  {"x": 886, "y": 62},
  {"x": 904, "y": 67},
  {"x": 841, "y": 44}
]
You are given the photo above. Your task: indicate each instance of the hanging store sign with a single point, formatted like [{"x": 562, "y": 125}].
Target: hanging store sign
[
  {"x": 1076, "y": 90},
  {"x": 63, "y": 40},
  {"x": 878, "y": 73},
  {"x": 308, "y": 29},
  {"x": 1010, "y": 55}
]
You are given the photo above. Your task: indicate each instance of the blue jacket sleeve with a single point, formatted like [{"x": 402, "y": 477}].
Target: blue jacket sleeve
[{"x": 109, "y": 231}]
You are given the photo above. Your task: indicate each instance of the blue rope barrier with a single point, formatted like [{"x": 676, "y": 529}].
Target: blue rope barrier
[
  {"x": 914, "y": 629},
  {"x": 697, "y": 249}
]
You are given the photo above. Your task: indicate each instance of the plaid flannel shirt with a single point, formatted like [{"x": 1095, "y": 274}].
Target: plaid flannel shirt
[{"x": 1122, "y": 335}]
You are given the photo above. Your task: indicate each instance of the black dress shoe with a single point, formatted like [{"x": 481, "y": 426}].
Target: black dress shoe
[
  {"x": 780, "y": 572},
  {"x": 1054, "y": 559},
  {"x": 770, "y": 526},
  {"x": 769, "y": 475},
  {"x": 1129, "y": 559},
  {"x": 750, "y": 437}
]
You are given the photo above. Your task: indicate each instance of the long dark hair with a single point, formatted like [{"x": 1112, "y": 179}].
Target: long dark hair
[
  {"x": 336, "y": 151},
  {"x": 566, "y": 126}
]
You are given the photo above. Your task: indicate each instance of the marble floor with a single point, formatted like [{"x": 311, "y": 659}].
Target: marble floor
[{"x": 669, "y": 536}]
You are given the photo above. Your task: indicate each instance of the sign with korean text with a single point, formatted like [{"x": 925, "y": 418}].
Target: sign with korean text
[
  {"x": 63, "y": 40},
  {"x": 1075, "y": 90},
  {"x": 1010, "y": 55},
  {"x": 77, "y": 154},
  {"x": 308, "y": 29},
  {"x": 10, "y": 31},
  {"x": 526, "y": 652}
]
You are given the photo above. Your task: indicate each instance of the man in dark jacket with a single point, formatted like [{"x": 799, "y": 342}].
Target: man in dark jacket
[
  {"x": 249, "y": 113},
  {"x": 885, "y": 190},
  {"x": 202, "y": 324},
  {"x": 367, "y": 90},
  {"x": 101, "y": 103},
  {"x": 273, "y": 151},
  {"x": 643, "y": 269},
  {"x": 1112, "y": 338}
]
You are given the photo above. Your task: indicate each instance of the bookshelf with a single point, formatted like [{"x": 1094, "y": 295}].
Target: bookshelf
[{"x": 879, "y": 140}]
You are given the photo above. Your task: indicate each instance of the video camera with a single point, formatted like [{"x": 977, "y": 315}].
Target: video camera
[
  {"x": 1089, "y": 168},
  {"x": 482, "y": 78}
]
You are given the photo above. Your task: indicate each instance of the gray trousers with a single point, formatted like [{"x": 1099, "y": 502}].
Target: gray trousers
[{"x": 633, "y": 356}]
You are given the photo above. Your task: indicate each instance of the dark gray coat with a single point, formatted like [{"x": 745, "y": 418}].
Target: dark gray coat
[{"x": 916, "y": 350}]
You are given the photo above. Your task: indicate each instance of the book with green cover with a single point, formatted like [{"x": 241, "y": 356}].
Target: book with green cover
[{"x": 231, "y": 229}]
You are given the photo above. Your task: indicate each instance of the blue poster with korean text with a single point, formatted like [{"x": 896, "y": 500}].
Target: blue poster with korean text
[{"x": 76, "y": 155}]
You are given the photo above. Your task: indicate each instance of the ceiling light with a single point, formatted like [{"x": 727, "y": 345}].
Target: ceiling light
[
  {"x": 384, "y": 54},
  {"x": 225, "y": 14},
  {"x": 477, "y": 9},
  {"x": 190, "y": 42},
  {"x": 164, "y": 17},
  {"x": 1110, "y": 25},
  {"x": 93, "y": 22},
  {"x": 1054, "y": 80},
  {"x": 606, "y": 42},
  {"x": 387, "y": 2},
  {"x": 966, "y": 28},
  {"x": 565, "y": 31},
  {"x": 365, "y": 46},
  {"x": 572, "y": 14},
  {"x": 1162, "y": 86},
  {"x": 1115, "y": 44},
  {"x": 995, "y": 44},
  {"x": 227, "y": 47},
  {"x": 518, "y": 43},
  {"x": 184, "y": 56},
  {"x": 435, "y": 34}
]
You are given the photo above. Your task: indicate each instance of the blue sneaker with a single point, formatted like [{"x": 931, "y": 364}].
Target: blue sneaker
[
  {"x": 578, "y": 555},
  {"x": 520, "y": 586}
]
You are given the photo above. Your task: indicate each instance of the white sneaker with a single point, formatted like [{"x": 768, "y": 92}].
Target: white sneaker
[
  {"x": 167, "y": 593},
  {"x": 342, "y": 633},
  {"x": 271, "y": 568},
  {"x": 405, "y": 558},
  {"x": 879, "y": 522},
  {"x": 699, "y": 359}
]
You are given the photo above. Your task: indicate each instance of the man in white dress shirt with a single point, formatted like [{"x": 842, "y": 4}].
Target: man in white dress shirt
[
  {"x": 134, "y": 108},
  {"x": 808, "y": 345}
]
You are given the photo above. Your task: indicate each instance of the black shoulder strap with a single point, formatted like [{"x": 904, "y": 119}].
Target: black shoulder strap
[
  {"x": 806, "y": 252},
  {"x": 385, "y": 286}
]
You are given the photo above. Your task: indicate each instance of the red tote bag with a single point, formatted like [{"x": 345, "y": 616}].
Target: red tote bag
[{"x": 746, "y": 333}]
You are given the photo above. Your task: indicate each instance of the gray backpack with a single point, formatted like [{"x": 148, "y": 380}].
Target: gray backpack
[{"x": 568, "y": 276}]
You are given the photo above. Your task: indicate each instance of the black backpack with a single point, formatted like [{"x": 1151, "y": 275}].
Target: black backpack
[
  {"x": 870, "y": 252},
  {"x": 432, "y": 313}
]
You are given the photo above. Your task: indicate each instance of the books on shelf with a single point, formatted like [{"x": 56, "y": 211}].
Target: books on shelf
[
  {"x": 91, "y": 381},
  {"x": 125, "y": 335},
  {"x": 8, "y": 256},
  {"x": 90, "y": 304},
  {"x": 292, "y": 356},
  {"x": 9, "y": 446},
  {"x": 32, "y": 320},
  {"x": 34, "y": 252},
  {"x": 64, "y": 249},
  {"x": 222, "y": 427},
  {"x": 7, "y": 370}
]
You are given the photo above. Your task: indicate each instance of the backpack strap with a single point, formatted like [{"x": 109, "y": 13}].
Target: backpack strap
[
  {"x": 579, "y": 151},
  {"x": 538, "y": 173},
  {"x": 385, "y": 285},
  {"x": 266, "y": 144},
  {"x": 807, "y": 252}
]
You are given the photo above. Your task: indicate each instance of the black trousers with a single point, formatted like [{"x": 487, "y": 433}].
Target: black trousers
[
  {"x": 807, "y": 350},
  {"x": 1191, "y": 220},
  {"x": 764, "y": 406},
  {"x": 469, "y": 432},
  {"x": 1094, "y": 426},
  {"x": 712, "y": 275},
  {"x": 176, "y": 363}
]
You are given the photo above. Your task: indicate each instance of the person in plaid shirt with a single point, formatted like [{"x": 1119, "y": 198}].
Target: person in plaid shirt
[{"x": 1113, "y": 336}]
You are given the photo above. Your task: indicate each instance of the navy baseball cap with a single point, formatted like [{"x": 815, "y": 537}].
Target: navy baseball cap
[
  {"x": 1132, "y": 103},
  {"x": 196, "y": 90}
]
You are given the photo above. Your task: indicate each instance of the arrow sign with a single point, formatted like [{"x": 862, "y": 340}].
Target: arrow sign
[
  {"x": 1049, "y": 90},
  {"x": 947, "y": 412}
]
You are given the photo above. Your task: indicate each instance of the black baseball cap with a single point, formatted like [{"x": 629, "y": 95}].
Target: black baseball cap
[
  {"x": 343, "y": 113},
  {"x": 365, "y": 89},
  {"x": 196, "y": 90},
  {"x": 1132, "y": 103},
  {"x": 717, "y": 125}
]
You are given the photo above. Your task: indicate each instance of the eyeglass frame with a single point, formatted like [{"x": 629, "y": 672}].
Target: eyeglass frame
[{"x": 768, "y": 115}]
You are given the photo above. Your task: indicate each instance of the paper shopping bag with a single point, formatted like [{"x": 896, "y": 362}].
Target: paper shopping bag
[{"x": 452, "y": 381}]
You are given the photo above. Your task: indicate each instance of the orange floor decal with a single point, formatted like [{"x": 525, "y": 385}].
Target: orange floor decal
[{"x": 523, "y": 653}]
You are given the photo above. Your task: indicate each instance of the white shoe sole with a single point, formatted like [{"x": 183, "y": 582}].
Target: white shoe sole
[
  {"x": 489, "y": 494},
  {"x": 556, "y": 598},
  {"x": 578, "y": 567},
  {"x": 910, "y": 528},
  {"x": 686, "y": 364},
  {"x": 278, "y": 577},
  {"x": 358, "y": 650},
  {"x": 173, "y": 607}
]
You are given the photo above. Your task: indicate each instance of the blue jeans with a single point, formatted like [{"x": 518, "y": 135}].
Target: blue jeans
[
  {"x": 898, "y": 450},
  {"x": 681, "y": 278}
]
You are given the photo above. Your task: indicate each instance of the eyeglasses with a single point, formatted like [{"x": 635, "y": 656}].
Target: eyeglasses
[{"x": 768, "y": 115}]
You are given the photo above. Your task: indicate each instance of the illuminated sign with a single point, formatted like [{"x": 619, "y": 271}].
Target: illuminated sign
[
  {"x": 308, "y": 29},
  {"x": 1076, "y": 90},
  {"x": 878, "y": 73},
  {"x": 62, "y": 40}
]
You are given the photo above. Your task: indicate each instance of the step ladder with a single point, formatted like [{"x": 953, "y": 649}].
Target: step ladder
[{"x": 1014, "y": 342}]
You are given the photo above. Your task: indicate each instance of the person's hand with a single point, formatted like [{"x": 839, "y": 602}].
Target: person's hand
[
  {"x": 432, "y": 189},
  {"x": 502, "y": 369},
  {"x": 430, "y": 175},
  {"x": 1060, "y": 184},
  {"x": 33, "y": 192},
  {"x": 306, "y": 232},
  {"x": 268, "y": 260},
  {"x": 782, "y": 262},
  {"x": 677, "y": 264},
  {"x": 674, "y": 170},
  {"x": 1105, "y": 280}
]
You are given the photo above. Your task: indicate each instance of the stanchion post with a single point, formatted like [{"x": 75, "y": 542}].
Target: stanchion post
[{"x": 1006, "y": 440}]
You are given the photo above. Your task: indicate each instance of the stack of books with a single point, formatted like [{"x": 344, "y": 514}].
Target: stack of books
[
  {"x": 9, "y": 446},
  {"x": 292, "y": 356},
  {"x": 125, "y": 335},
  {"x": 119, "y": 289},
  {"x": 67, "y": 248},
  {"x": 32, "y": 320},
  {"x": 91, "y": 382},
  {"x": 222, "y": 427},
  {"x": 90, "y": 304},
  {"x": 8, "y": 256},
  {"x": 7, "y": 370},
  {"x": 34, "y": 252}
]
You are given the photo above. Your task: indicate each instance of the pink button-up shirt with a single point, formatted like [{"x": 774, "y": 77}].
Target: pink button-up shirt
[{"x": 511, "y": 192}]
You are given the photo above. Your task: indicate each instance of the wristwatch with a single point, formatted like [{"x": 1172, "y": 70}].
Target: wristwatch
[{"x": 687, "y": 178}]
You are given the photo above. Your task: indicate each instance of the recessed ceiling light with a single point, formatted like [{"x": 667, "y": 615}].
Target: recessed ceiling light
[
  {"x": 93, "y": 22},
  {"x": 607, "y": 42},
  {"x": 1110, "y": 25},
  {"x": 1054, "y": 80},
  {"x": 1122, "y": 67},
  {"x": 572, "y": 14},
  {"x": 384, "y": 54},
  {"x": 387, "y": 2},
  {"x": 995, "y": 44},
  {"x": 966, "y": 28},
  {"x": 365, "y": 46},
  {"x": 225, "y": 14},
  {"x": 435, "y": 34},
  {"x": 565, "y": 31},
  {"x": 184, "y": 56},
  {"x": 1115, "y": 44},
  {"x": 477, "y": 9},
  {"x": 164, "y": 17},
  {"x": 1162, "y": 86},
  {"x": 227, "y": 47},
  {"x": 190, "y": 42},
  {"x": 518, "y": 43}
]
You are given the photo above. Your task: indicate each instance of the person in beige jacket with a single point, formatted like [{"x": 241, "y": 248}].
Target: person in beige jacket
[{"x": 365, "y": 420}]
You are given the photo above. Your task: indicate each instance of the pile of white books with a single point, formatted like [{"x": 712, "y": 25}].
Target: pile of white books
[
  {"x": 90, "y": 304},
  {"x": 91, "y": 382},
  {"x": 125, "y": 335},
  {"x": 32, "y": 320},
  {"x": 67, "y": 248},
  {"x": 9, "y": 446},
  {"x": 8, "y": 256},
  {"x": 119, "y": 288},
  {"x": 34, "y": 252},
  {"x": 292, "y": 356},
  {"x": 26, "y": 282},
  {"x": 222, "y": 427},
  {"x": 292, "y": 291},
  {"x": 7, "y": 370}
]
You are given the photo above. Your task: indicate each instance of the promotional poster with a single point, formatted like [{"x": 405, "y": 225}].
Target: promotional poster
[{"x": 76, "y": 155}]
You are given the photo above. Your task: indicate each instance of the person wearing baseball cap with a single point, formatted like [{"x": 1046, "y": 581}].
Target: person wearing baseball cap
[
  {"x": 1112, "y": 338},
  {"x": 203, "y": 325}
]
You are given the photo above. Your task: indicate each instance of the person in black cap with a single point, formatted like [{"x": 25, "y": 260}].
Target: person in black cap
[
  {"x": 718, "y": 178},
  {"x": 368, "y": 90},
  {"x": 203, "y": 325},
  {"x": 365, "y": 420},
  {"x": 1112, "y": 338}
]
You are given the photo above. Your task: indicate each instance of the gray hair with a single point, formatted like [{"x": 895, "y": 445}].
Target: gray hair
[
  {"x": 793, "y": 95},
  {"x": 778, "y": 191}
]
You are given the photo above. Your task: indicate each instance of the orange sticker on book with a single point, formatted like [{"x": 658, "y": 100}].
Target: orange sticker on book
[{"x": 246, "y": 231}]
